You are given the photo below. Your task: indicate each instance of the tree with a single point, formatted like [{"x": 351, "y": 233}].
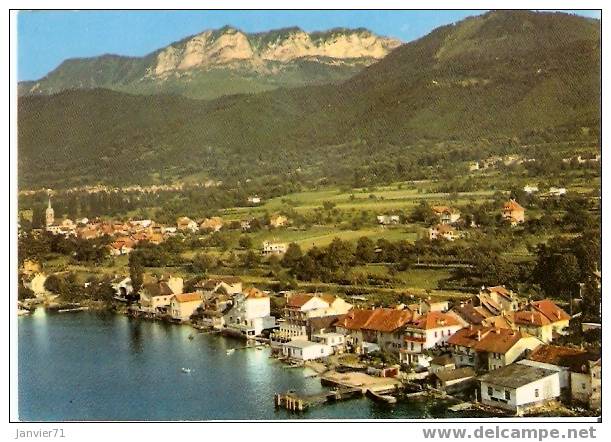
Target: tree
[
  {"x": 422, "y": 213},
  {"x": 338, "y": 255},
  {"x": 365, "y": 250},
  {"x": 250, "y": 260},
  {"x": 590, "y": 301},
  {"x": 136, "y": 271},
  {"x": 204, "y": 262},
  {"x": 292, "y": 256},
  {"x": 245, "y": 242}
]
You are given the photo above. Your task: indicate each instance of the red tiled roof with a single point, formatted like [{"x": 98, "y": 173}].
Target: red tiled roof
[
  {"x": 555, "y": 354},
  {"x": 550, "y": 310},
  {"x": 188, "y": 297},
  {"x": 499, "y": 340},
  {"x": 535, "y": 318},
  {"x": 489, "y": 339},
  {"x": 382, "y": 319},
  {"x": 298, "y": 300},
  {"x": 432, "y": 320}
]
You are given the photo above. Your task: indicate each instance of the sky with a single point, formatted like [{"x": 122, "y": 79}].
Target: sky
[{"x": 46, "y": 38}]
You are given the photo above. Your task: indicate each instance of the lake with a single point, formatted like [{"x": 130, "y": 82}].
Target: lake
[{"x": 104, "y": 366}]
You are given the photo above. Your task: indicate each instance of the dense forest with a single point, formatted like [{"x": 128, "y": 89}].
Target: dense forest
[{"x": 487, "y": 84}]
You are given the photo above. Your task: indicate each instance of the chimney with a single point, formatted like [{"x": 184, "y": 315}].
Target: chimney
[{"x": 479, "y": 335}]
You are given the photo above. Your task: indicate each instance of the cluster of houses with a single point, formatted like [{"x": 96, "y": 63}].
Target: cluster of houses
[
  {"x": 220, "y": 303},
  {"x": 215, "y": 223},
  {"x": 125, "y": 235},
  {"x": 497, "y": 342},
  {"x": 511, "y": 212}
]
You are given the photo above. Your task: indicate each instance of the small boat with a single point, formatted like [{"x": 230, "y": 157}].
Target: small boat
[
  {"x": 383, "y": 398},
  {"x": 260, "y": 347},
  {"x": 190, "y": 336},
  {"x": 186, "y": 370},
  {"x": 230, "y": 351}
]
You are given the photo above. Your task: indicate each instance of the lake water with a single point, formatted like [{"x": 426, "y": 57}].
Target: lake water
[{"x": 104, "y": 366}]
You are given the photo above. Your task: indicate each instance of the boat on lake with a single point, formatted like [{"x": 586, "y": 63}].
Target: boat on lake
[
  {"x": 230, "y": 351},
  {"x": 186, "y": 370}
]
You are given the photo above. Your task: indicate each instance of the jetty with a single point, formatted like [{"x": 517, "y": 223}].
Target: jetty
[{"x": 295, "y": 402}]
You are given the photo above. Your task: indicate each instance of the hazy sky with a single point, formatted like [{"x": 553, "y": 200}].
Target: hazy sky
[{"x": 46, "y": 38}]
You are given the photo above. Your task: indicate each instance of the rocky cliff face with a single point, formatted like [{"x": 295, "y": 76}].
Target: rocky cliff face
[{"x": 260, "y": 61}]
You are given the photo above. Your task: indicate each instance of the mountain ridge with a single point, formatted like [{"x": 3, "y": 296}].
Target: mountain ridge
[
  {"x": 498, "y": 78},
  {"x": 285, "y": 57}
]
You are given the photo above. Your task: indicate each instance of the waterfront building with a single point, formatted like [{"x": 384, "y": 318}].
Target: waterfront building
[
  {"x": 249, "y": 314},
  {"x": 155, "y": 297},
  {"x": 303, "y": 350},
  {"x": 578, "y": 371},
  {"x": 336, "y": 341},
  {"x": 519, "y": 387},
  {"x": 183, "y": 305},
  {"x": 303, "y": 313}
]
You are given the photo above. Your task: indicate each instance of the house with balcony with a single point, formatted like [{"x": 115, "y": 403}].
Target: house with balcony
[
  {"x": 249, "y": 314},
  {"x": 382, "y": 327},
  {"x": 423, "y": 332},
  {"x": 302, "y": 310},
  {"x": 488, "y": 348},
  {"x": 445, "y": 214}
]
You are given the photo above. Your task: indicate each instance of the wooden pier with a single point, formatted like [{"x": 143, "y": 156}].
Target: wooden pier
[{"x": 295, "y": 402}]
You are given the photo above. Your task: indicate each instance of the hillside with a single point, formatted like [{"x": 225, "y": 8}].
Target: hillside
[
  {"x": 224, "y": 62},
  {"x": 496, "y": 78}
]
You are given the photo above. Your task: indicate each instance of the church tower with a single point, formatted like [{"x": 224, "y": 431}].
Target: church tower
[{"x": 49, "y": 215}]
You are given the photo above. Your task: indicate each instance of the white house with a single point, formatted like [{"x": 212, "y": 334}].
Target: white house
[
  {"x": 273, "y": 248},
  {"x": 386, "y": 220},
  {"x": 426, "y": 331},
  {"x": 518, "y": 387},
  {"x": 183, "y": 305},
  {"x": 249, "y": 314},
  {"x": 301, "y": 308},
  {"x": 305, "y": 350},
  {"x": 333, "y": 340}
]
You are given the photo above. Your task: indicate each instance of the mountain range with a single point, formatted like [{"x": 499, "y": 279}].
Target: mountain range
[
  {"x": 223, "y": 62},
  {"x": 500, "y": 77}
]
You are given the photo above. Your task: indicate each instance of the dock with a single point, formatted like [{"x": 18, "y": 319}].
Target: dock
[
  {"x": 360, "y": 380},
  {"x": 295, "y": 402}
]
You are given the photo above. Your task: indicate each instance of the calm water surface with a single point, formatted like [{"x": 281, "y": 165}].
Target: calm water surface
[{"x": 103, "y": 366}]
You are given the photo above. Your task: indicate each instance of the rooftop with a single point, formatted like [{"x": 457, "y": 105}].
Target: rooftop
[{"x": 515, "y": 375}]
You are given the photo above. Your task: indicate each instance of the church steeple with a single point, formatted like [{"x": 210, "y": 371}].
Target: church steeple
[{"x": 49, "y": 214}]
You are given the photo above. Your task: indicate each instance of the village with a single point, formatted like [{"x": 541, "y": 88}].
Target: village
[
  {"x": 496, "y": 350},
  {"x": 493, "y": 350}
]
